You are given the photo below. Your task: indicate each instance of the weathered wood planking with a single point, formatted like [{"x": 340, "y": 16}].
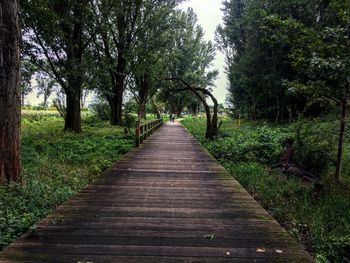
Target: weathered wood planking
[{"x": 168, "y": 201}]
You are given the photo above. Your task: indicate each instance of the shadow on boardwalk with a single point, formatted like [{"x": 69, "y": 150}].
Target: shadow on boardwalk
[{"x": 168, "y": 201}]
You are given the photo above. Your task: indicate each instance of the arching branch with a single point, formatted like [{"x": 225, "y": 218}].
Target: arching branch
[{"x": 212, "y": 129}]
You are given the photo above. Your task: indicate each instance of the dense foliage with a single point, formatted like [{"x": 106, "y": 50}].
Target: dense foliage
[
  {"x": 55, "y": 166},
  {"x": 285, "y": 58},
  {"x": 317, "y": 215}
]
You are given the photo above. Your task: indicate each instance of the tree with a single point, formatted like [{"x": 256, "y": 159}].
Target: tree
[
  {"x": 45, "y": 86},
  {"x": 124, "y": 47},
  {"x": 189, "y": 59},
  {"x": 201, "y": 93},
  {"x": 257, "y": 56},
  {"x": 55, "y": 40},
  {"x": 10, "y": 92},
  {"x": 113, "y": 43},
  {"x": 322, "y": 56},
  {"x": 84, "y": 95},
  {"x": 288, "y": 58}
]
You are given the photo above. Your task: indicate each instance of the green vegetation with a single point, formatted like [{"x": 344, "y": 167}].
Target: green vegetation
[
  {"x": 288, "y": 59},
  {"x": 56, "y": 165},
  {"x": 318, "y": 215}
]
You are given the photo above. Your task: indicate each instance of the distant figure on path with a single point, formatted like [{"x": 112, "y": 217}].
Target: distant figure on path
[{"x": 172, "y": 117}]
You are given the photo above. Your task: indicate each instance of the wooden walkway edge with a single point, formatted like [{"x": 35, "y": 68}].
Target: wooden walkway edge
[{"x": 167, "y": 201}]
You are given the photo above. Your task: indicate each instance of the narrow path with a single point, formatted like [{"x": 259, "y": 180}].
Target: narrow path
[{"x": 168, "y": 201}]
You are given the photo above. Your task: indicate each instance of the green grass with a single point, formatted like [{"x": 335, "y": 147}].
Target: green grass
[
  {"x": 319, "y": 217},
  {"x": 56, "y": 165}
]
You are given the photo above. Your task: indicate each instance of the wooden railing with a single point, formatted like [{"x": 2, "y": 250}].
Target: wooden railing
[{"x": 144, "y": 130}]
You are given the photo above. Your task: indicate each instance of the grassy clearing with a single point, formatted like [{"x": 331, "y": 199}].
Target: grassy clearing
[
  {"x": 319, "y": 217},
  {"x": 55, "y": 166}
]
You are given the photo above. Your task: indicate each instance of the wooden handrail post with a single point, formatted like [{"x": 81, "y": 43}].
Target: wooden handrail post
[
  {"x": 137, "y": 134},
  {"x": 143, "y": 131}
]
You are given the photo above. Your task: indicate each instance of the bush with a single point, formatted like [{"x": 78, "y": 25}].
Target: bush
[
  {"x": 129, "y": 120},
  {"x": 263, "y": 144},
  {"x": 101, "y": 109},
  {"x": 315, "y": 142}
]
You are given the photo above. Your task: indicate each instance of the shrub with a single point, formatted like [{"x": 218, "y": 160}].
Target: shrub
[
  {"x": 315, "y": 146},
  {"x": 263, "y": 144},
  {"x": 101, "y": 109}
]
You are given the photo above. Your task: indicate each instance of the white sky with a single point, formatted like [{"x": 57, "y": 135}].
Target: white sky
[{"x": 209, "y": 17}]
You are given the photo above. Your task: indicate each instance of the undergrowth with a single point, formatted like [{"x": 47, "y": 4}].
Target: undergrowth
[
  {"x": 56, "y": 165},
  {"x": 317, "y": 215}
]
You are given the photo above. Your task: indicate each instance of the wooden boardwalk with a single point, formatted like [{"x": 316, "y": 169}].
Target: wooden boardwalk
[{"x": 167, "y": 201}]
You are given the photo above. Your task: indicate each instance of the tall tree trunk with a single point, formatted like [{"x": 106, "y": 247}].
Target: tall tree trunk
[
  {"x": 118, "y": 90},
  {"x": 84, "y": 95},
  {"x": 194, "y": 110},
  {"x": 277, "y": 110},
  {"x": 178, "y": 110},
  {"x": 45, "y": 99},
  {"x": 116, "y": 104},
  {"x": 214, "y": 128},
  {"x": 73, "y": 112},
  {"x": 143, "y": 83},
  {"x": 344, "y": 107},
  {"x": 142, "y": 110},
  {"x": 75, "y": 73},
  {"x": 10, "y": 92},
  {"x": 155, "y": 108}
]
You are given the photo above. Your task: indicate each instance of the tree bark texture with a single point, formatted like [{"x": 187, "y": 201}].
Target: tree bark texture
[
  {"x": 116, "y": 105},
  {"x": 10, "y": 93},
  {"x": 73, "y": 116},
  {"x": 74, "y": 77},
  {"x": 116, "y": 101}
]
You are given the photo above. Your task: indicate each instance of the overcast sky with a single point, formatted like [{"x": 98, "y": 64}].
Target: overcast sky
[{"x": 209, "y": 16}]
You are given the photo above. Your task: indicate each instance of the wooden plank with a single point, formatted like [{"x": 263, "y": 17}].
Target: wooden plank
[
  {"x": 167, "y": 201},
  {"x": 130, "y": 250},
  {"x": 59, "y": 258}
]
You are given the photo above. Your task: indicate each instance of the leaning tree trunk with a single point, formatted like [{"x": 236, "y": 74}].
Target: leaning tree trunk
[
  {"x": 344, "y": 107},
  {"x": 10, "y": 93},
  {"x": 212, "y": 123},
  {"x": 209, "y": 130}
]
